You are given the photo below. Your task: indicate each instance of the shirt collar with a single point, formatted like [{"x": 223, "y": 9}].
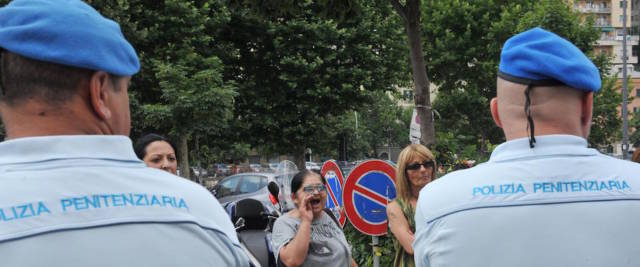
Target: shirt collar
[
  {"x": 547, "y": 145},
  {"x": 43, "y": 148}
]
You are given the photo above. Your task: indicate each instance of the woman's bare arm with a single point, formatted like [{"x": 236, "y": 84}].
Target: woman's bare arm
[
  {"x": 399, "y": 226},
  {"x": 295, "y": 252}
]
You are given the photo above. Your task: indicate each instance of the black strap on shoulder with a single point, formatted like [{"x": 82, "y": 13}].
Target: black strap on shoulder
[
  {"x": 333, "y": 217},
  {"x": 527, "y": 111},
  {"x": 527, "y": 94}
]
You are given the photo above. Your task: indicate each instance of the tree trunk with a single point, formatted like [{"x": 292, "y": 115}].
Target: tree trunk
[
  {"x": 375, "y": 150},
  {"x": 342, "y": 147},
  {"x": 411, "y": 15},
  {"x": 483, "y": 145},
  {"x": 198, "y": 178},
  {"x": 300, "y": 158},
  {"x": 183, "y": 151}
]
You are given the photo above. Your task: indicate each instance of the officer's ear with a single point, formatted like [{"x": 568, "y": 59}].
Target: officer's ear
[
  {"x": 99, "y": 93},
  {"x": 586, "y": 113},
  {"x": 494, "y": 112}
]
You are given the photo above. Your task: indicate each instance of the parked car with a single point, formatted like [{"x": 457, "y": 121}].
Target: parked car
[
  {"x": 199, "y": 172},
  {"x": 346, "y": 170},
  {"x": 255, "y": 167},
  {"x": 273, "y": 166},
  {"x": 343, "y": 163},
  {"x": 312, "y": 166},
  {"x": 251, "y": 185},
  {"x": 221, "y": 169}
]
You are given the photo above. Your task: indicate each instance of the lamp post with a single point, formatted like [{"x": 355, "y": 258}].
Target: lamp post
[{"x": 625, "y": 124}]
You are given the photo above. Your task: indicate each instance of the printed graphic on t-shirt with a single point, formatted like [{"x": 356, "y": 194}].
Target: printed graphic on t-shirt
[
  {"x": 324, "y": 244},
  {"x": 327, "y": 244}
]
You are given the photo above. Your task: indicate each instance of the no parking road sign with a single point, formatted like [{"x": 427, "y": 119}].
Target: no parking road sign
[
  {"x": 368, "y": 189},
  {"x": 335, "y": 182}
]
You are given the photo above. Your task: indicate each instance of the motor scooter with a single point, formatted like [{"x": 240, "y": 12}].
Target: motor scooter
[{"x": 254, "y": 224}]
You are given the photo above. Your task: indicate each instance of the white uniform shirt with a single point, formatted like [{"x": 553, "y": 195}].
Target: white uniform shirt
[
  {"x": 558, "y": 204},
  {"x": 88, "y": 201}
]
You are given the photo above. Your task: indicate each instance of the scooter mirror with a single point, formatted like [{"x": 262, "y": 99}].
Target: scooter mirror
[
  {"x": 274, "y": 190},
  {"x": 240, "y": 223}
]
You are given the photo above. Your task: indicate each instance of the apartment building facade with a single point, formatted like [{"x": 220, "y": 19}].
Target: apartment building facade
[{"x": 608, "y": 15}]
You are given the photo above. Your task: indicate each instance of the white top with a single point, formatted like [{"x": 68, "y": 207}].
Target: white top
[
  {"x": 88, "y": 201},
  {"x": 558, "y": 204}
]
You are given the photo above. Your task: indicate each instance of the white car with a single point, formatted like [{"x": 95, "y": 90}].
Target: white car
[
  {"x": 273, "y": 166},
  {"x": 253, "y": 185},
  {"x": 255, "y": 167},
  {"x": 312, "y": 166}
]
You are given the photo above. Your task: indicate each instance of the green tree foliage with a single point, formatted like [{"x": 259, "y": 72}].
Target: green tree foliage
[
  {"x": 606, "y": 124},
  {"x": 381, "y": 122},
  {"x": 634, "y": 123},
  {"x": 297, "y": 70},
  {"x": 349, "y": 137},
  {"x": 466, "y": 120},
  {"x": 363, "y": 251},
  {"x": 462, "y": 42},
  {"x": 180, "y": 89}
]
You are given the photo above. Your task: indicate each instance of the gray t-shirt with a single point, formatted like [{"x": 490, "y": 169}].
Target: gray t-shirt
[{"x": 327, "y": 244}]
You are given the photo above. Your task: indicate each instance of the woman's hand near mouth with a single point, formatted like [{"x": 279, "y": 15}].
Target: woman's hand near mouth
[{"x": 306, "y": 213}]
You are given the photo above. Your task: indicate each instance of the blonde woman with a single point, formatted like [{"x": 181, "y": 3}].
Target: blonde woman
[
  {"x": 416, "y": 168},
  {"x": 636, "y": 155}
]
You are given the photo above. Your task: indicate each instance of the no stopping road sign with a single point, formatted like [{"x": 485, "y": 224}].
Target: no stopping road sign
[
  {"x": 368, "y": 189},
  {"x": 335, "y": 182}
]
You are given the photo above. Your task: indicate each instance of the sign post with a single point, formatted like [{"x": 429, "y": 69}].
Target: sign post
[
  {"x": 335, "y": 182},
  {"x": 368, "y": 189},
  {"x": 376, "y": 251},
  {"x": 414, "y": 128}
]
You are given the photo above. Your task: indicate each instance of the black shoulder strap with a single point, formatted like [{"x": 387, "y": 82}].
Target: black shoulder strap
[{"x": 333, "y": 217}]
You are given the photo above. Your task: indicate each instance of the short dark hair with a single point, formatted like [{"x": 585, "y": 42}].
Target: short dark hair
[
  {"x": 140, "y": 147},
  {"x": 298, "y": 179},
  {"x": 24, "y": 78}
]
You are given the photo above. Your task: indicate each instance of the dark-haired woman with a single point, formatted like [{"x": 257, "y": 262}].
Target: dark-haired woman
[
  {"x": 416, "y": 168},
  {"x": 307, "y": 235},
  {"x": 157, "y": 152}
]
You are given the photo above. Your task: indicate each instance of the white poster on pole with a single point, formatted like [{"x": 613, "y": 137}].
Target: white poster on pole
[{"x": 414, "y": 128}]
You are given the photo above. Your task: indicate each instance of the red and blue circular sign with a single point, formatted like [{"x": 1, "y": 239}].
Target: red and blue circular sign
[
  {"x": 368, "y": 189},
  {"x": 335, "y": 182}
]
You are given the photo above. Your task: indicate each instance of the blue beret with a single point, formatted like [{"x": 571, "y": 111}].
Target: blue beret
[
  {"x": 66, "y": 32},
  {"x": 540, "y": 57}
]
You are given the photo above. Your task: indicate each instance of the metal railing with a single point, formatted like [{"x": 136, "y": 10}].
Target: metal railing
[
  {"x": 604, "y": 24},
  {"x": 587, "y": 9},
  {"x": 619, "y": 38}
]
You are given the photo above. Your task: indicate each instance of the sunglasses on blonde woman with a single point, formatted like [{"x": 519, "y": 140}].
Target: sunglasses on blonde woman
[{"x": 416, "y": 166}]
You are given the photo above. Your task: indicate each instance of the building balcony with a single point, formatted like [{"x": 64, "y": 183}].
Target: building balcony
[
  {"x": 606, "y": 26},
  {"x": 618, "y": 39},
  {"x": 607, "y": 42},
  {"x": 596, "y": 10},
  {"x": 617, "y": 60},
  {"x": 630, "y": 38}
]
